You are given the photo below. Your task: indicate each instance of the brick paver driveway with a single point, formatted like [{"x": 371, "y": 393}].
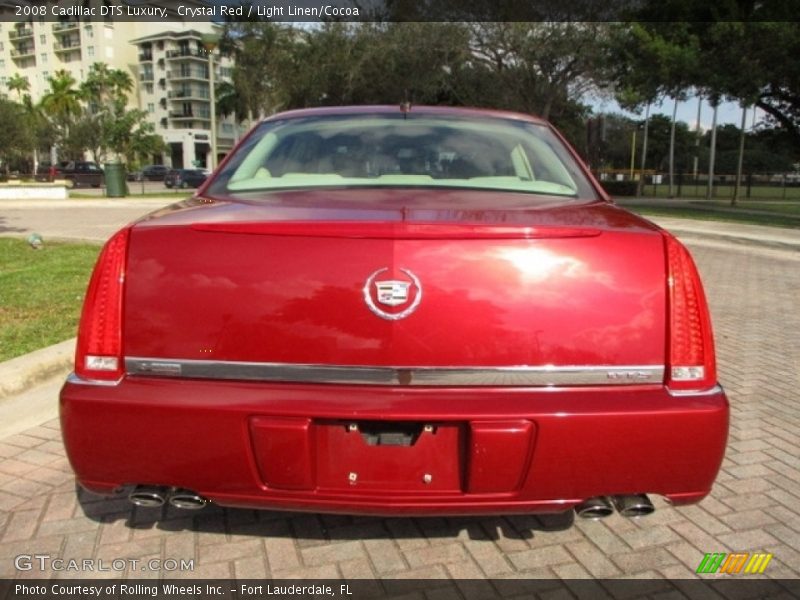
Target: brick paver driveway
[{"x": 755, "y": 505}]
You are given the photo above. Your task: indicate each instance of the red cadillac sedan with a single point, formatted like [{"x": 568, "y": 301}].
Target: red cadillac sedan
[{"x": 397, "y": 310}]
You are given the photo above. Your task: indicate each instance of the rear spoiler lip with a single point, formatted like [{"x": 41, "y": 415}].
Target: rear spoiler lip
[{"x": 396, "y": 230}]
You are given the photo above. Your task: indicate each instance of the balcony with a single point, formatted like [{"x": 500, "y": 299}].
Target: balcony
[
  {"x": 67, "y": 46},
  {"x": 146, "y": 57},
  {"x": 187, "y": 53},
  {"x": 24, "y": 52},
  {"x": 203, "y": 114},
  {"x": 20, "y": 33},
  {"x": 145, "y": 76},
  {"x": 65, "y": 26},
  {"x": 189, "y": 74},
  {"x": 189, "y": 94}
]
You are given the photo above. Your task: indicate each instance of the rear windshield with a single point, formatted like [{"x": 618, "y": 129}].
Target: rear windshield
[{"x": 421, "y": 150}]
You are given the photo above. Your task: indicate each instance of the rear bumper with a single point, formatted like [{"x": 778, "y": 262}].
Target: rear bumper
[{"x": 486, "y": 451}]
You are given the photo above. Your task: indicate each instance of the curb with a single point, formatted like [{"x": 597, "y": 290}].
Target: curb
[{"x": 24, "y": 371}]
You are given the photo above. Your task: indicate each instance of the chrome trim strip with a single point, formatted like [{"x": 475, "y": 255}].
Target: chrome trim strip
[
  {"x": 73, "y": 378},
  {"x": 413, "y": 376}
]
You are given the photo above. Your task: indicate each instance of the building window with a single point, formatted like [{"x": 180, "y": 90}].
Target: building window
[
  {"x": 1, "y": 46},
  {"x": 89, "y": 31},
  {"x": 46, "y": 75},
  {"x": 148, "y": 88},
  {"x": 151, "y": 108},
  {"x": 44, "y": 57},
  {"x": 43, "y": 39},
  {"x": 90, "y": 51},
  {"x": 2, "y": 63}
]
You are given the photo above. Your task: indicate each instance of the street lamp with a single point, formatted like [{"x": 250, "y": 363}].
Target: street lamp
[{"x": 210, "y": 42}]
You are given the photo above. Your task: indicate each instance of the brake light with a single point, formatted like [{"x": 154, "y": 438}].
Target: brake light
[
  {"x": 99, "y": 352},
  {"x": 692, "y": 364}
]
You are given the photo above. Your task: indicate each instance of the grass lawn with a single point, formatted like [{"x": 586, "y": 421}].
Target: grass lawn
[
  {"x": 41, "y": 293},
  {"x": 773, "y": 206},
  {"x": 704, "y": 212},
  {"x": 725, "y": 192}
]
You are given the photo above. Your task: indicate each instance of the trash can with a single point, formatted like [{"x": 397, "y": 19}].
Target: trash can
[{"x": 116, "y": 187}]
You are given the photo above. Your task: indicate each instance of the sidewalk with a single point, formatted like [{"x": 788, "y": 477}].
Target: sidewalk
[{"x": 775, "y": 237}]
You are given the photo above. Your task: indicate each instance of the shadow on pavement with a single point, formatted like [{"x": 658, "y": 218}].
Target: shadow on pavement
[
  {"x": 6, "y": 229},
  {"x": 266, "y": 523}
]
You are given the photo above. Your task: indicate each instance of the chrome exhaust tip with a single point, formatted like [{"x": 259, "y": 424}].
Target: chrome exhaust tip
[
  {"x": 148, "y": 496},
  {"x": 187, "y": 500},
  {"x": 633, "y": 506},
  {"x": 594, "y": 508}
]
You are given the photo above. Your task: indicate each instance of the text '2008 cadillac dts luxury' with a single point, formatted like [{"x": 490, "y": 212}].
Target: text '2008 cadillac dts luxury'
[{"x": 397, "y": 311}]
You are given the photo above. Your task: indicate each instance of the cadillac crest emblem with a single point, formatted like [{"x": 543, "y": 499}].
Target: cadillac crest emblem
[{"x": 392, "y": 292}]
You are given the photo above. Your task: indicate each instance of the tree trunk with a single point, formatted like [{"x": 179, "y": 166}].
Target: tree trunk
[
  {"x": 713, "y": 154},
  {"x": 640, "y": 187},
  {"x": 697, "y": 140},
  {"x": 672, "y": 148},
  {"x": 738, "y": 185}
]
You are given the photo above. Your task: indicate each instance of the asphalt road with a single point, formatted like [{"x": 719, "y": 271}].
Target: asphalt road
[{"x": 754, "y": 507}]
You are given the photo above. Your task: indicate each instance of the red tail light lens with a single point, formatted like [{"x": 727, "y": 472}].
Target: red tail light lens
[
  {"x": 692, "y": 364},
  {"x": 99, "y": 350}
]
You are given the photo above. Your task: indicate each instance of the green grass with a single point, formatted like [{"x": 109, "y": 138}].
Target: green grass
[
  {"x": 711, "y": 213},
  {"x": 778, "y": 207},
  {"x": 725, "y": 192},
  {"x": 41, "y": 293}
]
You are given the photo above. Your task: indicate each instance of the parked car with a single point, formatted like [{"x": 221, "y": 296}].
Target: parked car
[
  {"x": 152, "y": 173},
  {"x": 79, "y": 173},
  {"x": 184, "y": 178},
  {"x": 376, "y": 310}
]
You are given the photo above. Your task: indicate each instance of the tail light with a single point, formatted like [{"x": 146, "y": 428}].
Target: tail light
[
  {"x": 99, "y": 351},
  {"x": 692, "y": 364}
]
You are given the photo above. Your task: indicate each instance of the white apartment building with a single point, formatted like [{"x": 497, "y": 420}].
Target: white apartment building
[
  {"x": 174, "y": 88},
  {"x": 36, "y": 49},
  {"x": 166, "y": 60}
]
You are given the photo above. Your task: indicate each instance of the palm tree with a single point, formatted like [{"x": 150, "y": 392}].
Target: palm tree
[
  {"x": 104, "y": 85},
  {"x": 61, "y": 103},
  {"x": 18, "y": 83},
  {"x": 62, "y": 100}
]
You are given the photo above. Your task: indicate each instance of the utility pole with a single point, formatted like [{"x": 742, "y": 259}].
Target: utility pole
[{"x": 210, "y": 42}]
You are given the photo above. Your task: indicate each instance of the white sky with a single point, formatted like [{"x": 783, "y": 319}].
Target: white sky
[{"x": 728, "y": 112}]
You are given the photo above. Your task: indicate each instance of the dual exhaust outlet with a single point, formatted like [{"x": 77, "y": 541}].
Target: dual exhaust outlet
[
  {"x": 636, "y": 505},
  {"x": 155, "y": 496}
]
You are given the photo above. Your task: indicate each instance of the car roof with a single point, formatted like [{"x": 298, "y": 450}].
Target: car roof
[{"x": 390, "y": 109}]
